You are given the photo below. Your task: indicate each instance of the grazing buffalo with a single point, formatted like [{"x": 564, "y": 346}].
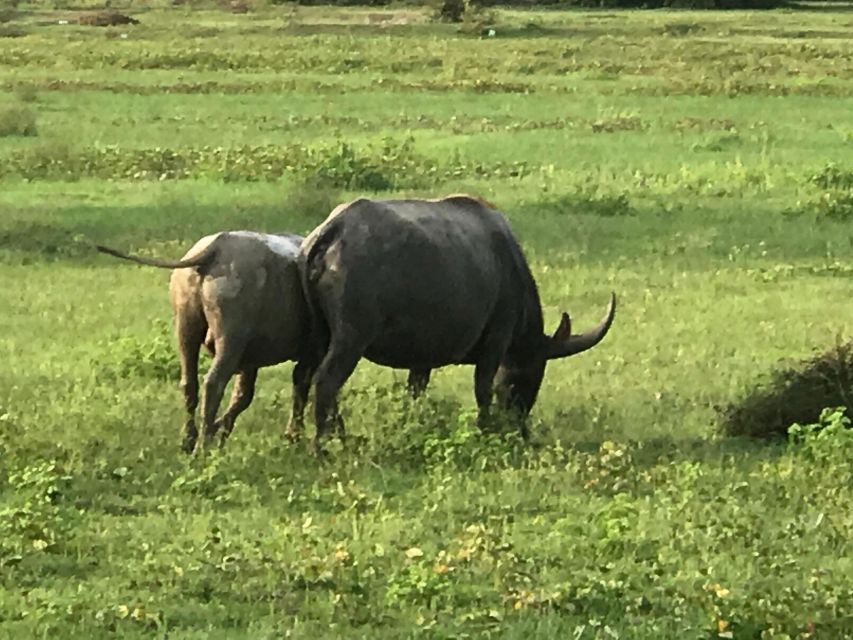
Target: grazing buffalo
[
  {"x": 419, "y": 284},
  {"x": 238, "y": 293}
]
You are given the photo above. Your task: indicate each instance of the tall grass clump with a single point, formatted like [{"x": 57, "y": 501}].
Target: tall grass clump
[
  {"x": 833, "y": 177},
  {"x": 836, "y": 200},
  {"x": 17, "y": 120},
  {"x": 586, "y": 202}
]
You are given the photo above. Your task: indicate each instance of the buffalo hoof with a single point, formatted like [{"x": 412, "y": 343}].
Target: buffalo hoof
[
  {"x": 292, "y": 434},
  {"x": 188, "y": 445},
  {"x": 224, "y": 429},
  {"x": 319, "y": 451}
]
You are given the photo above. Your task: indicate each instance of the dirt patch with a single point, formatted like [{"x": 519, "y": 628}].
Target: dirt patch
[
  {"x": 236, "y": 6},
  {"x": 796, "y": 394},
  {"x": 105, "y": 19}
]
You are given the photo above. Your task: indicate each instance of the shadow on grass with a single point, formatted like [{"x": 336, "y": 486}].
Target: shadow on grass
[{"x": 655, "y": 451}]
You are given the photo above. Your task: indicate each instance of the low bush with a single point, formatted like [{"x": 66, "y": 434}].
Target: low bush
[
  {"x": 828, "y": 440},
  {"x": 794, "y": 395}
]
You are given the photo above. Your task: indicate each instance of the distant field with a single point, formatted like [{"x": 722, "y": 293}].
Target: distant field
[{"x": 698, "y": 164}]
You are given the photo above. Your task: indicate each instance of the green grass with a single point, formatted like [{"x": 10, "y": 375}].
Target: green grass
[{"x": 702, "y": 172}]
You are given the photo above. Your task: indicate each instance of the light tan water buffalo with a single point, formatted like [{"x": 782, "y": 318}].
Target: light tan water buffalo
[
  {"x": 419, "y": 284},
  {"x": 239, "y": 294}
]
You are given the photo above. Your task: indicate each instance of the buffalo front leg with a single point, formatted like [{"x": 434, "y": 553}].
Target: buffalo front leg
[
  {"x": 302, "y": 374},
  {"x": 484, "y": 378},
  {"x": 241, "y": 398},
  {"x": 418, "y": 381}
]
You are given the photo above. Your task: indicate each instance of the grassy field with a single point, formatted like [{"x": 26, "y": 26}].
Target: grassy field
[{"x": 700, "y": 165}]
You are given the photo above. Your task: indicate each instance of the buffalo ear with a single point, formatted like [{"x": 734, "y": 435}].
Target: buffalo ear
[{"x": 564, "y": 329}]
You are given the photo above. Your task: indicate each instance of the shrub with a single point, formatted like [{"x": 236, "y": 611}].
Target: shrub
[
  {"x": 825, "y": 447},
  {"x": 17, "y": 120},
  {"x": 832, "y": 425},
  {"x": 795, "y": 395},
  {"x": 341, "y": 166}
]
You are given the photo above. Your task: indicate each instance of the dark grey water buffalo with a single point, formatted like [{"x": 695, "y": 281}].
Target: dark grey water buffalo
[
  {"x": 238, "y": 293},
  {"x": 419, "y": 284}
]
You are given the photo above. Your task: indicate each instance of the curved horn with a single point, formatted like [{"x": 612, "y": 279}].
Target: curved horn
[{"x": 562, "y": 344}]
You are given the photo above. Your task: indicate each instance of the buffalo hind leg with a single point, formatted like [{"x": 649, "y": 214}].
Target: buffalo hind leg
[
  {"x": 336, "y": 368},
  {"x": 241, "y": 398},
  {"x": 190, "y": 333},
  {"x": 225, "y": 364},
  {"x": 418, "y": 381},
  {"x": 303, "y": 371}
]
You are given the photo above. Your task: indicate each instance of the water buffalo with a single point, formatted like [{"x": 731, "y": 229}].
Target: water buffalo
[
  {"x": 238, "y": 293},
  {"x": 419, "y": 284}
]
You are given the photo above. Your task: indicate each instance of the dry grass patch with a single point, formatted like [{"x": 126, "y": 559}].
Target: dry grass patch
[{"x": 797, "y": 394}]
